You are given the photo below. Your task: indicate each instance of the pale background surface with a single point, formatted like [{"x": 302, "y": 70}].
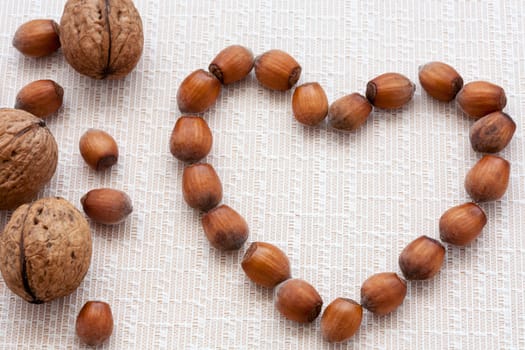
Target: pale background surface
[{"x": 341, "y": 205}]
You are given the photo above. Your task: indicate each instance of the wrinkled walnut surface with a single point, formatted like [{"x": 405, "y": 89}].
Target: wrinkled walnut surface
[{"x": 45, "y": 250}]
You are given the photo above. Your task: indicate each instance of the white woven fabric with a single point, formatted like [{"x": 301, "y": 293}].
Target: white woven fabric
[{"x": 341, "y": 205}]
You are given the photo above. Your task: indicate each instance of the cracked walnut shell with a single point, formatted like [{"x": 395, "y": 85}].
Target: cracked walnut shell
[
  {"x": 45, "y": 250},
  {"x": 102, "y": 39}
]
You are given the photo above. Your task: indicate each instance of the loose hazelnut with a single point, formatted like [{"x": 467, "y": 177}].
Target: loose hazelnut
[
  {"x": 488, "y": 179},
  {"x": 225, "y": 228},
  {"x": 349, "y": 112},
  {"x": 390, "y": 90},
  {"x": 265, "y": 264},
  {"x": 40, "y": 98},
  {"x": 383, "y": 292},
  {"x": 309, "y": 104},
  {"x": 462, "y": 224},
  {"x": 201, "y": 186},
  {"x": 479, "y": 98},
  {"x": 277, "y": 70},
  {"x": 198, "y": 92},
  {"x": 341, "y": 320},
  {"x": 422, "y": 258},
  {"x": 94, "y": 323},
  {"x": 106, "y": 205},
  {"x": 191, "y": 139},
  {"x": 232, "y": 64},
  {"x": 37, "y": 38},
  {"x": 440, "y": 80},
  {"x": 99, "y": 149},
  {"x": 492, "y": 133},
  {"x": 298, "y": 301}
]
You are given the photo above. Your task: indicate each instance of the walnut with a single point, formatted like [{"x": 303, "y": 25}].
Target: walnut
[
  {"x": 45, "y": 250},
  {"x": 28, "y": 157},
  {"x": 102, "y": 39}
]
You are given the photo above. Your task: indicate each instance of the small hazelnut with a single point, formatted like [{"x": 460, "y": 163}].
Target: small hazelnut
[
  {"x": 225, "y": 228},
  {"x": 390, "y": 90},
  {"x": 265, "y": 264},
  {"x": 277, "y": 70},
  {"x": 341, "y": 320},
  {"x": 37, "y": 38},
  {"x": 440, "y": 81},
  {"x": 198, "y": 92},
  {"x": 492, "y": 133},
  {"x": 191, "y": 139},
  {"x": 106, "y": 205},
  {"x": 94, "y": 323},
  {"x": 383, "y": 292},
  {"x": 349, "y": 112},
  {"x": 201, "y": 186},
  {"x": 488, "y": 179},
  {"x": 297, "y": 300},
  {"x": 99, "y": 149},
  {"x": 479, "y": 98},
  {"x": 462, "y": 224},
  {"x": 232, "y": 64},
  {"x": 40, "y": 98},
  {"x": 309, "y": 104},
  {"x": 422, "y": 258}
]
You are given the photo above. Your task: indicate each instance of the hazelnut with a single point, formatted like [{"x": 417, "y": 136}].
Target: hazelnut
[
  {"x": 265, "y": 264},
  {"x": 94, "y": 323},
  {"x": 479, "y": 98},
  {"x": 232, "y": 64},
  {"x": 201, "y": 186},
  {"x": 99, "y": 149},
  {"x": 462, "y": 224},
  {"x": 349, "y": 112},
  {"x": 101, "y": 39},
  {"x": 492, "y": 133},
  {"x": 277, "y": 70},
  {"x": 198, "y": 92},
  {"x": 309, "y": 104},
  {"x": 191, "y": 139},
  {"x": 37, "y": 38},
  {"x": 40, "y": 98},
  {"x": 225, "y": 228},
  {"x": 106, "y": 205},
  {"x": 28, "y": 157},
  {"x": 390, "y": 90},
  {"x": 298, "y": 301},
  {"x": 45, "y": 250},
  {"x": 341, "y": 320},
  {"x": 383, "y": 292},
  {"x": 422, "y": 258},
  {"x": 488, "y": 179},
  {"x": 440, "y": 81}
]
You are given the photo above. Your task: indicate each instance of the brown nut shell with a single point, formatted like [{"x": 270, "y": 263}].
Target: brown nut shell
[
  {"x": 440, "y": 81},
  {"x": 94, "y": 323},
  {"x": 101, "y": 39},
  {"x": 37, "y": 38},
  {"x": 265, "y": 264},
  {"x": 341, "y": 320},
  {"x": 492, "y": 133},
  {"x": 277, "y": 70},
  {"x": 40, "y": 98},
  {"x": 488, "y": 179},
  {"x": 383, "y": 292},
  {"x": 232, "y": 64},
  {"x": 45, "y": 250},
  {"x": 309, "y": 104},
  {"x": 390, "y": 90},
  {"x": 99, "y": 149},
  {"x": 191, "y": 139},
  {"x": 422, "y": 258},
  {"x": 297, "y": 300},
  {"x": 106, "y": 205},
  {"x": 479, "y": 98},
  {"x": 201, "y": 186},
  {"x": 225, "y": 228},
  {"x": 28, "y": 157},
  {"x": 462, "y": 224},
  {"x": 349, "y": 112},
  {"x": 198, "y": 92}
]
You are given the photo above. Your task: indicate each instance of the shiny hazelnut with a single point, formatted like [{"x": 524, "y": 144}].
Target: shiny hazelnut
[
  {"x": 37, "y": 38},
  {"x": 277, "y": 70},
  {"x": 297, "y": 300},
  {"x": 488, "y": 179},
  {"x": 479, "y": 98},
  {"x": 198, "y": 92},
  {"x": 462, "y": 224},
  {"x": 383, "y": 292},
  {"x": 349, "y": 112},
  {"x": 106, "y": 205},
  {"x": 440, "y": 81},
  {"x": 232, "y": 64},
  {"x": 341, "y": 320},
  {"x": 390, "y": 90},
  {"x": 191, "y": 139},
  {"x": 309, "y": 104},
  {"x": 40, "y": 98},
  {"x": 225, "y": 228},
  {"x": 94, "y": 323},
  {"x": 422, "y": 258},
  {"x": 492, "y": 133},
  {"x": 99, "y": 149},
  {"x": 265, "y": 264},
  {"x": 201, "y": 186}
]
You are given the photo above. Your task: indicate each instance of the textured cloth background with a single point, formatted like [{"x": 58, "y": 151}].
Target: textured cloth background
[{"x": 342, "y": 206}]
